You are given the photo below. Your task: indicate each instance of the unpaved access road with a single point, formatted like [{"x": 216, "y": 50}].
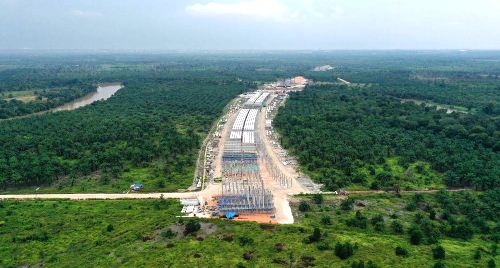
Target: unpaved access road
[
  {"x": 99, "y": 196},
  {"x": 206, "y": 193},
  {"x": 281, "y": 195}
]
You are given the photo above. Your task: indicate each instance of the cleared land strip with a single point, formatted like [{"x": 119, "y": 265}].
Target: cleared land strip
[
  {"x": 183, "y": 195},
  {"x": 100, "y": 196}
]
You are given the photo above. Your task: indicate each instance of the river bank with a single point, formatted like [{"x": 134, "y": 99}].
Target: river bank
[{"x": 104, "y": 91}]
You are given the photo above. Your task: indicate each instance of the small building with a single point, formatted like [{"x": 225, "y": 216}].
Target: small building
[
  {"x": 136, "y": 186},
  {"x": 269, "y": 123},
  {"x": 299, "y": 80},
  {"x": 190, "y": 202}
]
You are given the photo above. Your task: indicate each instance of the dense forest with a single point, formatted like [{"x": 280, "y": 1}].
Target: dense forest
[
  {"x": 482, "y": 96},
  {"x": 354, "y": 135},
  {"x": 145, "y": 121}
]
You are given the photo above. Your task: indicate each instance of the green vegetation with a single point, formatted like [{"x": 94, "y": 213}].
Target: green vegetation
[
  {"x": 42, "y": 100},
  {"x": 153, "y": 125},
  {"x": 344, "y": 136},
  {"x": 360, "y": 136},
  {"x": 132, "y": 233}
]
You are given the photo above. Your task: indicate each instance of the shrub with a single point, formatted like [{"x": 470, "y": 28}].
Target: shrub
[
  {"x": 411, "y": 207},
  {"x": 439, "y": 265},
  {"x": 378, "y": 218},
  {"x": 418, "y": 198},
  {"x": 304, "y": 206},
  {"x": 462, "y": 230},
  {"x": 248, "y": 256},
  {"x": 358, "y": 264},
  {"x": 477, "y": 254},
  {"x": 397, "y": 227},
  {"x": 227, "y": 238},
  {"x": 323, "y": 246},
  {"x": 344, "y": 250},
  {"x": 347, "y": 204},
  {"x": 432, "y": 214},
  {"x": 280, "y": 261},
  {"x": 361, "y": 264},
  {"x": 492, "y": 264},
  {"x": 401, "y": 251},
  {"x": 438, "y": 253},
  {"x": 326, "y": 220},
  {"x": 375, "y": 185},
  {"x": 192, "y": 226},
  {"x": 160, "y": 183},
  {"x": 110, "y": 228},
  {"x": 359, "y": 220},
  {"x": 244, "y": 240},
  {"x": 168, "y": 234},
  {"x": 418, "y": 218},
  {"x": 316, "y": 236},
  {"x": 378, "y": 223},
  {"x": 317, "y": 199},
  {"x": 415, "y": 235},
  {"x": 307, "y": 261}
]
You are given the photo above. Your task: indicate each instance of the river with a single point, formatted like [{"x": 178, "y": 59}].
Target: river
[{"x": 104, "y": 91}]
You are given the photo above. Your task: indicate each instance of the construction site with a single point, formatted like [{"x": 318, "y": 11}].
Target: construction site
[{"x": 246, "y": 175}]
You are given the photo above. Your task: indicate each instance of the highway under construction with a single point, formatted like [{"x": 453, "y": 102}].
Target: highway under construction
[{"x": 256, "y": 175}]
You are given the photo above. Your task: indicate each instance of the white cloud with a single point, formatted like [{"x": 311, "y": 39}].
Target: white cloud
[{"x": 258, "y": 9}]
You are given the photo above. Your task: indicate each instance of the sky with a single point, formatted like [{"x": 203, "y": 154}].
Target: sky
[{"x": 249, "y": 24}]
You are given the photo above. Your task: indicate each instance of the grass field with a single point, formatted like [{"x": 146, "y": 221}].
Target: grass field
[
  {"x": 24, "y": 96},
  {"x": 150, "y": 176},
  {"x": 134, "y": 233},
  {"x": 419, "y": 175}
]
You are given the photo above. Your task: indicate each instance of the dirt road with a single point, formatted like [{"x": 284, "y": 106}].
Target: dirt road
[
  {"x": 100, "y": 196},
  {"x": 281, "y": 195},
  {"x": 367, "y": 192},
  {"x": 289, "y": 171}
]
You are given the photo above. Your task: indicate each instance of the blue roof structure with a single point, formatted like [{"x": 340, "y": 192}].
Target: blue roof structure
[{"x": 230, "y": 214}]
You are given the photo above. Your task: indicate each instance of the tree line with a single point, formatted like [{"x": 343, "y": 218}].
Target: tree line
[{"x": 344, "y": 136}]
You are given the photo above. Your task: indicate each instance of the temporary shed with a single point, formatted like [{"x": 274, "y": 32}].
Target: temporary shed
[
  {"x": 231, "y": 214},
  {"x": 136, "y": 186}
]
